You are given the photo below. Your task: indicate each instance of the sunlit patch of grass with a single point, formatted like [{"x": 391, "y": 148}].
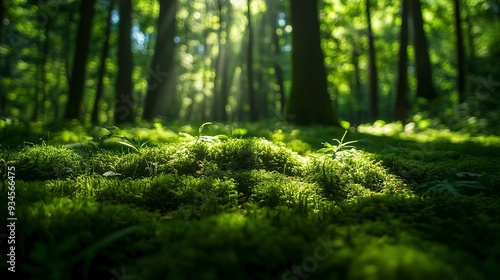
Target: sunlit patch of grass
[
  {"x": 44, "y": 162},
  {"x": 273, "y": 189},
  {"x": 357, "y": 175}
]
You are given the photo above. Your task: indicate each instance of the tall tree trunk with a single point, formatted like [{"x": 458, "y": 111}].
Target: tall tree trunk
[
  {"x": 2, "y": 14},
  {"x": 460, "y": 53},
  {"x": 373, "y": 66},
  {"x": 278, "y": 71},
  {"x": 161, "y": 96},
  {"x": 309, "y": 101},
  {"x": 242, "y": 94},
  {"x": 74, "y": 107},
  {"x": 102, "y": 66},
  {"x": 252, "y": 98},
  {"x": 425, "y": 87},
  {"x": 43, "y": 74},
  {"x": 402, "y": 78},
  {"x": 216, "y": 101},
  {"x": 3, "y": 98},
  {"x": 471, "y": 64},
  {"x": 124, "y": 106},
  {"x": 223, "y": 63}
]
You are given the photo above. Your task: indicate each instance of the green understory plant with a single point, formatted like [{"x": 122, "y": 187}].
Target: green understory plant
[
  {"x": 335, "y": 150},
  {"x": 135, "y": 143},
  {"x": 205, "y": 138},
  {"x": 456, "y": 183}
]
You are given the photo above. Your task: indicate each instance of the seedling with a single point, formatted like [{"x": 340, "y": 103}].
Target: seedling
[
  {"x": 333, "y": 150},
  {"x": 205, "y": 138},
  {"x": 135, "y": 144}
]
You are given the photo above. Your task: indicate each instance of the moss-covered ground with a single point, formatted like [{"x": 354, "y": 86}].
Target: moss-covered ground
[{"x": 253, "y": 201}]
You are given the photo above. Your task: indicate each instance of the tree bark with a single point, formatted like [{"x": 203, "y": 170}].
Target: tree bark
[
  {"x": 372, "y": 66},
  {"x": 425, "y": 87},
  {"x": 74, "y": 107},
  {"x": 161, "y": 95},
  {"x": 460, "y": 53},
  {"x": 252, "y": 98},
  {"x": 102, "y": 66},
  {"x": 124, "y": 106},
  {"x": 223, "y": 64},
  {"x": 309, "y": 101},
  {"x": 3, "y": 98},
  {"x": 471, "y": 63},
  {"x": 402, "y": 78}
]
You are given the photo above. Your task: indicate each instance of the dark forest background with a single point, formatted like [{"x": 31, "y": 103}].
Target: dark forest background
[{"x": 307, "y": 62}]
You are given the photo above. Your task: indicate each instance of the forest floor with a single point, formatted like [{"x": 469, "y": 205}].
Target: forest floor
[{"x": 254, "y": 201}]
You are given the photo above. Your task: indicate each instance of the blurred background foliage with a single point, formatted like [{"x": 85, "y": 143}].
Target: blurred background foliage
[{"x": 38, "y": 45}]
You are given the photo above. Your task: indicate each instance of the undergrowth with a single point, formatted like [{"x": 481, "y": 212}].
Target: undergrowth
[{"x": 252, "y": 202}]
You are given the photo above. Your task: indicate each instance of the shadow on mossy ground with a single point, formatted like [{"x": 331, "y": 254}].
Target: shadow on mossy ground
[{"x": 197, "y": 205}]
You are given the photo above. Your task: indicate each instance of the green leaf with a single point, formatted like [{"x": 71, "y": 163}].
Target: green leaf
[
  {"x": 128, "y": 145},
  {"x": 222, "y": 137},
  {"x": 468, "y": 174},
  {"x": 454, "y": 188},
  {"x": 202, "y": 126}
]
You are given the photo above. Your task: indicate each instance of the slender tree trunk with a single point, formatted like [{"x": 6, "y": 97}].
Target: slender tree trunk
[
  {"x": 471, "y": 64},
  {"x": 278, "y": 71},
  {"x": 3, "y": 98},
  {"x": 161, "y": 96},
  {"x": 43, "y": 64},
  {"x": 102, "y": 66},
  {"x": 124, "y": 106},
  {"x": 242, "y": 94},
  {"x": 74, "y": 107},
  {"x": 460, "y": 53},
  {"x": 252, "y": 98},
  {"x": 309, "y": 101},
  {"x": 425, "y": 87},
  {"x": 373, "y": 67},
  {"x": 67, "y": 47},
  {"x": 55, "y": 93},
  {"x": 36, "y": 95},
  {"x": 223, "y": 63},
  {"x": 2, "y": 14},
  {"x": 402, "y": 78},
  {"x": 216, "y": 102}
]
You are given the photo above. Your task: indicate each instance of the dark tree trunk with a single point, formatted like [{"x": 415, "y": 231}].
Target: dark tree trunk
[
  {"x": 74, "y": 107},
  {"x": 471, "y": 64},
  {"x": 278, "y": 71},
  {"x": 425, "y": 87},
  {"x": 252, "y": 98},
  {"x": 309, "y": 101},
  {"x": 373, "y": 66},
  {"x": 3, "y": 99},
  {"x": 402, "y": 78},
  {"x": 124, "y": 106},
  {"x": 161, "y": 96},
  {"x": 43, "y": 62},
  {"x": 460, "y": 53},
  {"x": 102, "y": 66},
  {"x": 242, "y": 94},
  {"x": 223, "y": 64}
]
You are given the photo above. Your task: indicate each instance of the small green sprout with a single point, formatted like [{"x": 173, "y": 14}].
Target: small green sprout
[
  {"x": 333, "y": 150},
  {"x": 135, "y": 144}
]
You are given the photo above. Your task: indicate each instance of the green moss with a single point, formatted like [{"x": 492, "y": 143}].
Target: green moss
[{"x": 202, "y": 207}]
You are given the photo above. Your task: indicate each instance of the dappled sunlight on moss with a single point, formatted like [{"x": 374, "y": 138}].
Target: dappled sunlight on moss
[{"x": 209, "y": 204}]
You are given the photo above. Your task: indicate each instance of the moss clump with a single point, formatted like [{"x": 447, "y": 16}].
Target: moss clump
[{"x": 45, "y": 163}]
